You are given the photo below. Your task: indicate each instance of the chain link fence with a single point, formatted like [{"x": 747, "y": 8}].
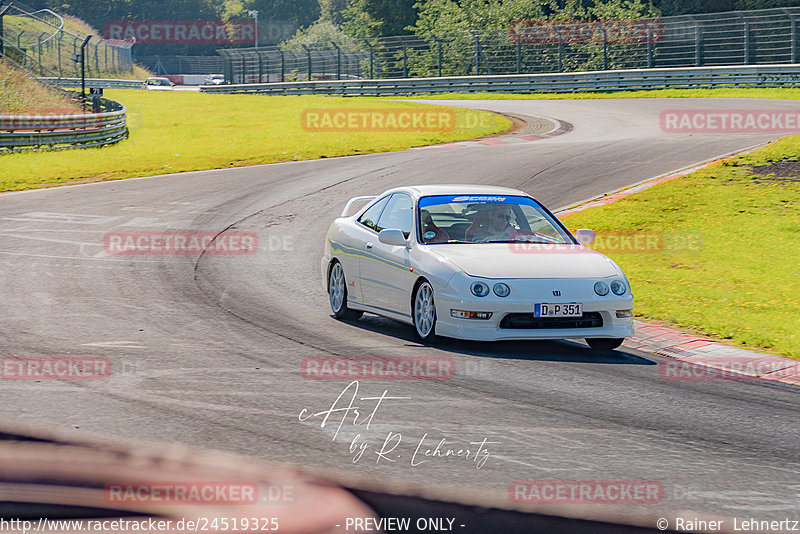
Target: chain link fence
[
  {"x": 41, "y": 42},
  {"x": 733, "y": 38}
]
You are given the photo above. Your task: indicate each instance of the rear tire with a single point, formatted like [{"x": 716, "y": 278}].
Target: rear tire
[
  {"x": 423, "y": 312},
  {"x": 605, "y": 343},
  {"x": 337, "y": 294}
]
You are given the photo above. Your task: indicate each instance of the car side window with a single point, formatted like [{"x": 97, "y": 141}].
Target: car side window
[
  {"x": 370, "y": 217},
  {"x": 399, "y": 213}
]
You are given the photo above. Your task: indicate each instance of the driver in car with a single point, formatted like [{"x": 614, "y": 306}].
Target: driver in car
[{"x": 491, "y": 224}]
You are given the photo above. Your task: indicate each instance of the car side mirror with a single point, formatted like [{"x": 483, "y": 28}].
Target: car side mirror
[
  {"x": 585, "y": 236},
  {"x": 392, "y": 236}
]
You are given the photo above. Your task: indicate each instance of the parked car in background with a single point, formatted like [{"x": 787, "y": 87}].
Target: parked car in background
[
  {"x": 155, "y": 83},
  {"x": 214, "y": 79}
]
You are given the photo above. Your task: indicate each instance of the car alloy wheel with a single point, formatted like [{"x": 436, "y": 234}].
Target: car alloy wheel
[
  {"x": 337, "y": 294},
  {"x": 424, "y": 312}
]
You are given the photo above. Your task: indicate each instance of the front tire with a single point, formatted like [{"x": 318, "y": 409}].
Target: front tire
[
  {"x": 337, "y": 295},
  {"x": 605, "y": 343},
  {"x": 424, "y": 312}
]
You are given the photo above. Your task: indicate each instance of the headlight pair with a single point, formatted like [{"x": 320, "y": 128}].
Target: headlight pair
[
  {"x": 617, "y": 287},
  {"x": 481, "y": 289}
]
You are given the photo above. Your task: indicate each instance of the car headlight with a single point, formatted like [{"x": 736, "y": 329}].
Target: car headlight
[
  {"x": 479, "y": 289},
  {"x": 618, "y": 288},
  {"x": 501, "y": 290},
  {"x": 601, "y": 288}
]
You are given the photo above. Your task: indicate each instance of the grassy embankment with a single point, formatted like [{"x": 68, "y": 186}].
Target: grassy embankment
[{"x": 178, "y": 131}]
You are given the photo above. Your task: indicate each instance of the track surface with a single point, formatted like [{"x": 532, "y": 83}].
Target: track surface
[{"x": 207, "y": 351}]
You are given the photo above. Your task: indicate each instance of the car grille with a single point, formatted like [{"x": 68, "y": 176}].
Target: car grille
[{"x": 527, "y": 320}]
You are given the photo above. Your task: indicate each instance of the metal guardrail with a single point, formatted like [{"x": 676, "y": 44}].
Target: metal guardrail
[
  {"x": 575, "y": 82},
  {"x": 35, "y": 132},
  {"x": 99, "y": 83}
]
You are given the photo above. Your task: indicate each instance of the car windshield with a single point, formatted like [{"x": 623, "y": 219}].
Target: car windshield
[{"x": 487, "y": 219}]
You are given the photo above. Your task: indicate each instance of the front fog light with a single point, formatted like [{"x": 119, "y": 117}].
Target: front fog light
[
  {"x": 501, "y": 290},
  {"x": 624, "y": 314},
  {"x": 601, "y": 288},
  {"x": 461, "y": 314},
  {"x": 618, "y": 288},
  {"x": 479, "y": 289}
]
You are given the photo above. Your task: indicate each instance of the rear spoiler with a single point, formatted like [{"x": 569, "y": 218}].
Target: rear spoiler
[{"x": 353, "y": 201}]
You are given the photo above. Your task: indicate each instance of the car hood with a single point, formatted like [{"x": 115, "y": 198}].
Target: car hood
[{"x": 526, "y": 260}]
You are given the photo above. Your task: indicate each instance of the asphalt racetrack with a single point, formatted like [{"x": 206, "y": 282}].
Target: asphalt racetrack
[{"x": 207, "y": 350}]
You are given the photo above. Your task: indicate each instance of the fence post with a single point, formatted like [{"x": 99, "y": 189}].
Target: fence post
[
  {"x": 649, "y": 47},
  {"x": 283, "y": 65},
  {"x": 477, "y": 55},
  {"x": 2, "y": 12},
  {"x": 698, "y": 42},
  {"x": 338, "y": 61},
  {"x": 405, "y": 61},
  {"x": 308, "y": 55},
  {"x": 605, "y": 48},
  {"x": 371, "y": 59},
  {"x": 519, "y": 55},
  {"x": 96, "y": 60},
  {"x": 747, "y": 60},
  {"x": 439, "y": 55},
  {"x": 39, "y": 48},
  {"x": 793, "y": 26},
  {"x": 260, "y": 67},
  {"x": 60, "y": 36},
  {"x": 560, "y": 53},
  {"x": 83, "y": 69}
]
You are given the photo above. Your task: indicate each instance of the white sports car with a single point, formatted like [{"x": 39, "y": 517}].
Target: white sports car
[{"x": 474, "y": 262}]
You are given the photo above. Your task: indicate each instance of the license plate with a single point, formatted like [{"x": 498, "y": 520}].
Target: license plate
[{"x": 571, "y": 309}]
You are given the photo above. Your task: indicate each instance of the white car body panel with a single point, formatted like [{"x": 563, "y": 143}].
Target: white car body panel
[{"x": 381, "y": 279}]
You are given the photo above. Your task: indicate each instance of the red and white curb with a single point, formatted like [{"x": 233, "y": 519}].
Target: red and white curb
[
  {"x": 703, "y": 355},
  {"x": 511, "y": 139},
  {"x": 705, "y": 358}
]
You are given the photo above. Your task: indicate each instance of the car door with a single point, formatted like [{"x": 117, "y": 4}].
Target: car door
[
  {"x": 386, "y": 278},
  {"x": 353, "y": 247}
]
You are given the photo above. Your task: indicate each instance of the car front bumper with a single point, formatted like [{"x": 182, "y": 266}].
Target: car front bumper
[{"x": 491, "y": 330}]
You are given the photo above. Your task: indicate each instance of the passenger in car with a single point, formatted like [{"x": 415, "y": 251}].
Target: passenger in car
[{"x": 430, "y": 232}]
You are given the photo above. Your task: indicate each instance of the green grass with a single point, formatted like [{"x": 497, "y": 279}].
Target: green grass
[
  {"x": 730, "y": 266},
  {"x": 187, "y": 131},
  {"x": 21, "y": 95},
  {"x": 792, "y": 94}
]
